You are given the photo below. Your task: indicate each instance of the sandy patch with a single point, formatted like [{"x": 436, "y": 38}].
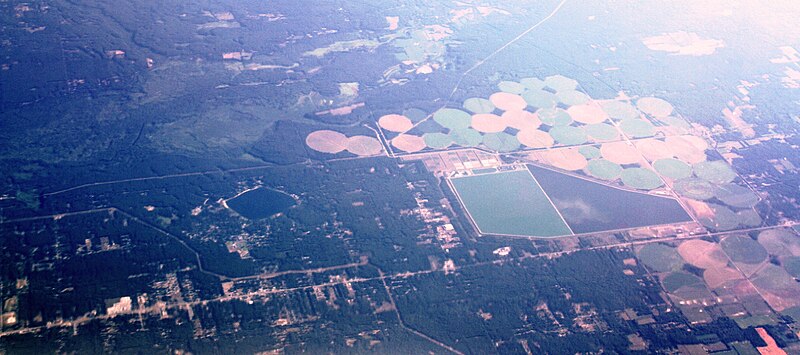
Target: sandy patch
[
  {"x": 393, "y": 21},
  {"x": 620, "y": 153},
  {"x": 772, "y": 347},
  {"x": 488, "y": 123},
  {"x": 589, "y": 113},
  {"x": 349, "y": 90},
  {"x": 789, "y": 55},
  {"x": 341, "y": 111},
  {"x": 535, "y": 138},
  {"x": 424, "y": 69},
  {"x": 364, "y": 146},
  {"x": 437, "y": 32},
  {"x": 521, "y": 120},
  {"x": 672, "y": 130},
  {"x": 507, "y": 101},
  {"x": 472, "y": 12},
  {"x": 327, "y": 141},
  {"x": 408, "y": 143},
  {"x": 395, "y": 123},
  {"x": 735, "y": 120},
  {"x": 683, "y": 43},
  {"x": 791, "y": 79}
]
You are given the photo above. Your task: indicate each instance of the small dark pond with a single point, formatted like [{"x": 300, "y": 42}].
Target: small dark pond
[{"x": 260, "y": 203}]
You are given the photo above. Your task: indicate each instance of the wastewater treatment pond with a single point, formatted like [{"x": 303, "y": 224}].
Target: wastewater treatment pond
[{"x": 539, "y": 202}]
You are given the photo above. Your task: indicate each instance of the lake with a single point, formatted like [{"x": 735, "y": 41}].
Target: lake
[{"x": 260, "y": 203}]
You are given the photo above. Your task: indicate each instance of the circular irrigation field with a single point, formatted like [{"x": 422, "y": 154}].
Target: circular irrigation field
[
  {"x": 604, "y": 169},
  {"x": 660, "y": 258},
  {"x": 589, "y": 113},
  {"x": 395, "y": 123},
  {"x": 602, "y": 132},
  {"x": 521, "y": 120},
  {"x": 567, "y": 159},
  {"x": 437, "y": 140},
  {"x": 507, "y": 101},
  {"x": 327, "y": 141},
  {"x": 715, "y": 172},
  {"x": 694, "y": 188},
  {"x": 568, "y": 135},
  {"x": 478, "y": 105},
  {"x": 654, "y": 149},
  {"x": 554, "y": 117},
  {"x": 452, "y": 118},
  {"x": 534, "y": 138},
  {"x": 620, "y": 110},
  {"x": 620, "y": 152},
  {"x": 409, "y": 143},
  {"x": 466, "y": 137},
  {"x": 673, "y": 168},
  {"x": 640, "y": 178},
  {"x": 488, "y": 123},
  {"x": 743, "y": 249},
  {"x": 721, "y": 218},
  {"x": 654, "y": 106},
  {"x": 501, "y": 142},
  {"x": 364, "y": 146}
]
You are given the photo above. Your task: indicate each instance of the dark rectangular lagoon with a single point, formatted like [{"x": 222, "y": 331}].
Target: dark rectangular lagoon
[{"x": 589, "y": 206}]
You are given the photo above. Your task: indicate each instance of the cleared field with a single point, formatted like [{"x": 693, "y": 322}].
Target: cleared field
[{"x": 509, "y": 203}]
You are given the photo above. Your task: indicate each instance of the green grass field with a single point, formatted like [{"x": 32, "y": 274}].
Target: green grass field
[{"x": 510, "y": 203}]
